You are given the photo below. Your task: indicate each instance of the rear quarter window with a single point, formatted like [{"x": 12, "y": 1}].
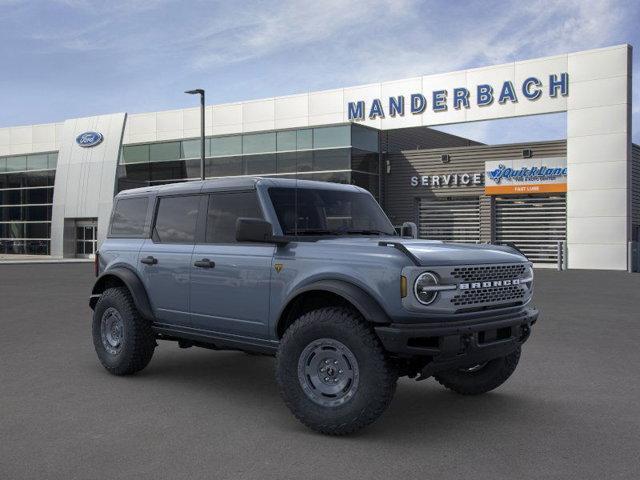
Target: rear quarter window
[{"x": 129, "y": 215}]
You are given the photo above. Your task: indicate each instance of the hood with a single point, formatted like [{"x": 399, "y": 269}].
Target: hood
[{"x": 434, "y": 252}]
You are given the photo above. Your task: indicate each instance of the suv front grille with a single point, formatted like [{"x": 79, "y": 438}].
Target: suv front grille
[
  {"x": 488, "y": 272},
  {"x": 489, "y": 295}
]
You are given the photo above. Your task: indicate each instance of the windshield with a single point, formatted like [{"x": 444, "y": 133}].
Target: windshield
[{"x": 328, "y": 212}]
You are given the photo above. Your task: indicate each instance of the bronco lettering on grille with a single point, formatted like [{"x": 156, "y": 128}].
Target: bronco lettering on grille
[{"x": 488, "y": 284}]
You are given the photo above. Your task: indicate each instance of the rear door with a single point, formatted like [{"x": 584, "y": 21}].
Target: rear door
[
  {"x": 230, "y": 281},
  {"x": 165, "y": 258}
]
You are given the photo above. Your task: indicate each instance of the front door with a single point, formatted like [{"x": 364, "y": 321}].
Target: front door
[
  {"x": 165, "y": 259},
  {"x": 230, "y": 281},
  {"x": 86, "y": 238}
]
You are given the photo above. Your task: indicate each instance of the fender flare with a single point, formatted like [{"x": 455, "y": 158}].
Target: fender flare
[
  {"x": 368, "y": 307},
  {"x": 132, "y": 282}
]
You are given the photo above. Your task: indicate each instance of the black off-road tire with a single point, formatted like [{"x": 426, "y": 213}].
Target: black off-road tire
[
  {"x": 376, "y": 382},
  {"x": 137, "y": 340},
  {"x": 483, "y": 380}
]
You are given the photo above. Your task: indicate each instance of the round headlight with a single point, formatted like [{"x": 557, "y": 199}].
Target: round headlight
[{"x": 422, "y": 290}]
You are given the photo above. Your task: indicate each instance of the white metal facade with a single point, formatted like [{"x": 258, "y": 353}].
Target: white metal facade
[{"x": 598, "y": 110}]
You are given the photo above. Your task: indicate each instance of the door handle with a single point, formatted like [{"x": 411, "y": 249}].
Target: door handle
[
  {"x": 149, "y": 260},
  {"x": 204, "y": 263}
]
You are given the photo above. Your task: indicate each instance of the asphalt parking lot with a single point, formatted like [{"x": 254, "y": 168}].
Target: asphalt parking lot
[{"x": 571, "y": 410}]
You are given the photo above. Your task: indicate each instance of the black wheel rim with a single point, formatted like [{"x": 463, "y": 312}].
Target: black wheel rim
[
  {"x": 328, "y": 372},
  {"x": 112, "y": 330}
]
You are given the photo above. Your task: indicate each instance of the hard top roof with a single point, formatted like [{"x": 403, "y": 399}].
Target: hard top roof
[{"x": 234, "y": 183}]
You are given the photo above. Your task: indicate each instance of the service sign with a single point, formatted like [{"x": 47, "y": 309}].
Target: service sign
[{"x": 526, "y": 176}]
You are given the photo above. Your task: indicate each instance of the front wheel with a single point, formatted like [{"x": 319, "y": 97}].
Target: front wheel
[
  {"x": 333, "y": 373},
  {"x": 480, "y": 378}
]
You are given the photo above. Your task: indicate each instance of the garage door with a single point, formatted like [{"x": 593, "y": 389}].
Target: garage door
[
  {"x": 534, "y": 224},
  {"x": 450, "y": 219}
]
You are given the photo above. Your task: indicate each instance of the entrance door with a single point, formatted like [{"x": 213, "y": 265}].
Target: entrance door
[
  {"x": 535, "y": 224},
  {"x": 86, "y": 238},
  {"x": 230, "y": 281},
  {"x": 451, "y": 219}
]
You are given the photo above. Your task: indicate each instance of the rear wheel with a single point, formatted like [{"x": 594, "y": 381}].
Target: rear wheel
[
  {"x": 333, "y": 373},
  {"x": 122, "y": 339},
  {"x": 480, "y": 378}
]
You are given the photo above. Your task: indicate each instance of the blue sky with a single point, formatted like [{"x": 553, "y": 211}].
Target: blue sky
[{"x": 72, "y": 58}]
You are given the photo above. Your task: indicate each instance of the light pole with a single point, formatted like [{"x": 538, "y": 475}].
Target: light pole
[{"x": 200, "y": 92}]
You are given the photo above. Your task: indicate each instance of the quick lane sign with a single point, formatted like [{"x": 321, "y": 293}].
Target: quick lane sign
[
  {"x": 530, "y": 89},
  {"x": 526, "y": 176}
]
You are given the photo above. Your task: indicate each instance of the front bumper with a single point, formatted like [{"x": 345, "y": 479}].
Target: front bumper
[{"x": 447, "y": 345}]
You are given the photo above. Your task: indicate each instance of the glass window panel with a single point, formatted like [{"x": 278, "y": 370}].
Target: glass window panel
[
  {"x": 259, "y": 143},
  {"x": 168, "y": 170},
  {"x": 334, "y": 177},
  {"x": 366, "y": 181},
  {"x": 14, "y": 230},
  {"x": 39, "y": 179},
  {"x": 260, "y": 164},
  {"x": 13, "y": 197},
  {"x": 364, "y": 138},
  {"x": 3, "y": 165},
  {"x": 304, "y": 139},
  {"x": 326, "y": 137},
  {"x": 37, "y": 230},
  {"x": 15, "y": 247},
  {"x": 286, "y": 162},
  {"x": 135, "y": 153},
  {"x": 224, "y": 209},
  {"x": 14, "y": 180},
  {"x": 364, "y": 161},
  {"x": 135, "y": 172},
  {"x": 162, "y": 152},
  {"x": 79, "y": 233},
  {"x": 176, "y": 219},
  {"x": 53, "y": 160},
  {"x": 286, "y": 140},
  {"x": 339, "y": 159},
  {"x": 224, "y": 166},
  {"x": 36, "y": 195},
  {"x": 38, "y": 162},
  {"x": 16, "y": 164},
  {"x": 192, "y": 168},
  {"x": 305, "y": 161},
  {"x": 37, "y": 247},
  {"x": 129, "y": 216},
  {"x": 222, "y": 146},
  {"x": 191, "y": 148},
  {"x": 36, "y": 213}
]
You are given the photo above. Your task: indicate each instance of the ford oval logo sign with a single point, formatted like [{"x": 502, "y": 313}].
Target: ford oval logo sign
[{"x": 89, "y": 139}]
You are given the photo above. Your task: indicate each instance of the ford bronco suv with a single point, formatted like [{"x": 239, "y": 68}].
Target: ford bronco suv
[{"x": 315, "y": 274}]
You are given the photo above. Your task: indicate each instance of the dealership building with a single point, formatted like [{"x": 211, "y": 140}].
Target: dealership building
[{"x": 573, "y": 202}]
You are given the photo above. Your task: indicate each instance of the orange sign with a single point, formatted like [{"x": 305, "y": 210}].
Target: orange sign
[{"x": 541, "y": 188}]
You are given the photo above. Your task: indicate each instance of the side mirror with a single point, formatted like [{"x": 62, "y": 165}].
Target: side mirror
[
  {"x": 253, "y": 230},
  {"x": 409, "y": 229}
]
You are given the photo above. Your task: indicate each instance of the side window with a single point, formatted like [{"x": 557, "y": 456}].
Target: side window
[
  {"x": 224, "y": 209},
  {"x": 176, "y": 219},
  {"x": 129, "y": 215}
]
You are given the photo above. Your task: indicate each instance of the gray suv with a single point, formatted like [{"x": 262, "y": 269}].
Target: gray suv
[{"x": 315, "y": 274}]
